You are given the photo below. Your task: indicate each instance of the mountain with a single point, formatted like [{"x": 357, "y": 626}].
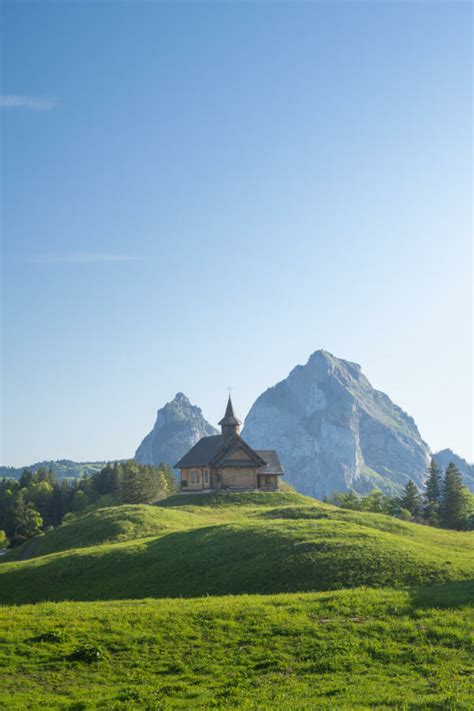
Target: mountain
[
  {"x": 445, "y": 456},
  {"x": 179, "y": 425},
  {"x": 62, "y": 468},
  {"x": 333, "y": 431}
]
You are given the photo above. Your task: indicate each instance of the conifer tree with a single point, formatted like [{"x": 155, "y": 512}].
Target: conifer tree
[
  {"x": 411, "y": 499},
  {"x": 453, "y": 499},
  {"x": 431, "y": 509}
]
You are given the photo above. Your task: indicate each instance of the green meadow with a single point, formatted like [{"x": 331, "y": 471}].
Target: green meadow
[
  {"x": 268, "y": 601},
  {"x": 360, "y": 648}
]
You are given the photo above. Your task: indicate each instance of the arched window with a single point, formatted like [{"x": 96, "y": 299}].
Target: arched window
[{"x": 206, "y": 476}]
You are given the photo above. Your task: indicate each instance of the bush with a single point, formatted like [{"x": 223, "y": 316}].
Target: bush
[{"x": 87, "y": 653}]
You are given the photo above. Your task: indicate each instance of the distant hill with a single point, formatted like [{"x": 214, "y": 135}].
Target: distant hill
[
  {"x": 178, "y": 426},
  {"x": 190, "y": 546},
  {"x": 62, "y": 468},
  {"x": 333, "y": 431}
]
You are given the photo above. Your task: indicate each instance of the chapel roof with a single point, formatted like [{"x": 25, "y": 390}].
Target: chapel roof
[
  {"x": 202, "y": 452},
  {"x": 207, "y": 449}
]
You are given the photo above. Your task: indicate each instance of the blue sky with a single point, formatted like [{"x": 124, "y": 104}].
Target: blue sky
[{"x": 198, "y": 195}]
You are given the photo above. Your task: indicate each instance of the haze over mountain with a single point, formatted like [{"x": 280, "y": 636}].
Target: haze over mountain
[
  {"x": 334, "y": 431},
  {"x": 178, "y": 426},
  {"x": 330, "y": 427}
]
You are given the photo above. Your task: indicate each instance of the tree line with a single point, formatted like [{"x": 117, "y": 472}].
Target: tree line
[
  {"x": 445, "y": 501},
  {"x": 38, "y": 500}
]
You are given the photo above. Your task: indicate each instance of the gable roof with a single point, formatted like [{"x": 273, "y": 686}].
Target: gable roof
[
  {"x": 202, "y": 452},
  {"x": 215, "y": 448},
  {"x": 232, "y": 444},
  {"x": 272, "y": 465}
]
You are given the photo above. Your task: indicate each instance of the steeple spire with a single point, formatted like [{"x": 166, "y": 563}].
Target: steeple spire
[{"x": 230, "y": 424}]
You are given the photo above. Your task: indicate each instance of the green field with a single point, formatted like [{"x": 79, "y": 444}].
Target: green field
[
  {"x": 352, "y": 648},
  {"x": 233, "y": 544},
  {"x": 321, "y": 608}
]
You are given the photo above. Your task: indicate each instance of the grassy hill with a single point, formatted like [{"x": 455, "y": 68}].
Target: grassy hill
[
  {"x": 290, "y": 640},
  {"x": 62, "y": 468},
  {"x": 233, "y": 544},
  {"x": 361, "y": 648}
]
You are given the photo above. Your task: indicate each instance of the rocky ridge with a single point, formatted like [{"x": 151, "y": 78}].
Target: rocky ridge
[
  {"x": 334, "y": 431},
  {"x": 178, "y": 426}
]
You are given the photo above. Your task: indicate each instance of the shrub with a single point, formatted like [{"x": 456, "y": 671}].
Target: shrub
[{"x": 87, "y": 653}]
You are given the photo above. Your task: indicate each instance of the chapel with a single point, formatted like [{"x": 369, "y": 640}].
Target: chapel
[{"x": 225, "y": 462}]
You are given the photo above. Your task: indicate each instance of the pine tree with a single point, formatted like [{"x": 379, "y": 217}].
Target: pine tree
[
  {"x": 431, "y": 509},
  {"x": 26, "y": 478},
  {"x": 411, "y": 499},
  {"x": 453, "y": 499}
]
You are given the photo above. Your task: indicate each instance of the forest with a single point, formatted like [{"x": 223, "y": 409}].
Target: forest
[
  {"x": 38, "y": 501},
  {"x": 445, "y": 502}
]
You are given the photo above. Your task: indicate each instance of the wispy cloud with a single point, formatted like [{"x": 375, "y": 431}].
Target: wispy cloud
[
  {"x": 34, "y": 103},
  {"x": 81, "y": 258}
]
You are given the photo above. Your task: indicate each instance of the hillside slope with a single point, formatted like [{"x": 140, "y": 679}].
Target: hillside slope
[{"x": 234, "y": 544}]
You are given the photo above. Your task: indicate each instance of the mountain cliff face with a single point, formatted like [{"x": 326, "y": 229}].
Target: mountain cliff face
[
  {"x": 179, "y": 425},
  {"x": 333, "y": 431},
  {"x": 446, "y": 456}
]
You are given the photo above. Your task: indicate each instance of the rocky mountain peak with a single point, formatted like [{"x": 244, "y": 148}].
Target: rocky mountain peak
[
  {"x": 334, "y": 431},
  {"x": 179, "y": 425}
]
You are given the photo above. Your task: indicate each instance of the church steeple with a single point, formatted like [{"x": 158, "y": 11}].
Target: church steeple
[{"x": 230, "y": 424}]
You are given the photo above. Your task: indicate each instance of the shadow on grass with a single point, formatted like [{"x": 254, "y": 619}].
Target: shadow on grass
[
  {"x": 265, "y": 558},
  {"x": 451, "y": 595}
]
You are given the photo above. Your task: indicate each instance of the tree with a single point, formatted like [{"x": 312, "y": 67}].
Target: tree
[
  {"x": 142, "y": 484},
  {"x": 411, "y": 499},
  {"x": 80, "y": 501},
  {"x": 23, "y": 520},
  {"x": 107, "y": 481},
  {"x": 376, "y": 502},
  {"x": 171, "y": 483},
  {"x": 26, "y": 478},
  {"x": 346, "y": 500},
  {"x": 431, "y": 510},
  {"x": 455, "y": 499}
]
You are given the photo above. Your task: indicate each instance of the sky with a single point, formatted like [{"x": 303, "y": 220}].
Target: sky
[{"x": 200, "y": 195}]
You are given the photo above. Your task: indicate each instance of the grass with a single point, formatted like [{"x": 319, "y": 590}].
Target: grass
[
  {"x": 234, "y": 602},
  {"x": 360, "y": 648},
  {"x": 109, "y": 525},
  {"x": 234, "y": 544}
]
